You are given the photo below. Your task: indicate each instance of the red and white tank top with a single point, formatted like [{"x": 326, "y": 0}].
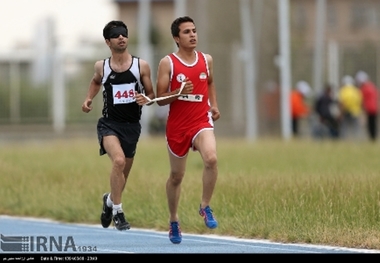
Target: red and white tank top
[{"x": 188, "y": 110}]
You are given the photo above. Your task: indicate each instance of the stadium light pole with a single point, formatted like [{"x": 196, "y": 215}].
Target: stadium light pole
[
  {"x": 284, "y": 64},
  {"x": 58, "y": 94},
  {"x": 179, "y": 10},
  {"x": 15, "y": 90},
  {"x": 319, "y": 44},
  {"x": 250, "y": 70},
  {"x": 145, "y": 51}
]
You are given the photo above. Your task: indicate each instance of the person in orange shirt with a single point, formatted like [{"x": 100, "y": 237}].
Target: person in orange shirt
[{"x": 298, "y": 107}]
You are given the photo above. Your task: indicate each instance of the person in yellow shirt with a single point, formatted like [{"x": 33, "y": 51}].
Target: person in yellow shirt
[{"x": 350, "y": 100}]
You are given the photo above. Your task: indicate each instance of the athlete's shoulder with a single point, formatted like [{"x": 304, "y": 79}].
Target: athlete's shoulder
[
  {"x": 140, "y": 60},
  {"x": 99, "y": 64},
  {"x": 205, "y": 55},
  {"x": 166, "y": 60}
]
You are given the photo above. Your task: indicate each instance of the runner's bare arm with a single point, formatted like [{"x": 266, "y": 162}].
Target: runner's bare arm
[
  {"x": 212, "y": 90},
  {"x": 94, "y": 86},
  {"x": 163, "y": 82},
  {"x": 146, "y": 80}
]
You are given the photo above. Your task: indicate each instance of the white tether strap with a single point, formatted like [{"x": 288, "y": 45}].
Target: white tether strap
[{"x": 165, "y": 97}]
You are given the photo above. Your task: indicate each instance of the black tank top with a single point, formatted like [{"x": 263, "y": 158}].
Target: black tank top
[{"x": 118, "y": 92}]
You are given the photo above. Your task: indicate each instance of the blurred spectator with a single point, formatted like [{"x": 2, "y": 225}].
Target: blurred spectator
[
  {"x": 327, "y": 109},
  {"x": 350, "y": 99},
  {"x": 299, "y": 107},
  {"x": 370, "y": 102}
]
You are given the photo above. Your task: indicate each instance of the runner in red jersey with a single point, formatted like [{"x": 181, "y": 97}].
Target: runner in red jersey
[
  {"x": 189, "y": 114},
  {"x": 190, "y": 124}
]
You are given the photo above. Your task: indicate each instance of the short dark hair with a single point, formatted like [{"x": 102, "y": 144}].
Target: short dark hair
[
  {"x": 177, "y": 22},
  {"x": 112, "y": 24}
]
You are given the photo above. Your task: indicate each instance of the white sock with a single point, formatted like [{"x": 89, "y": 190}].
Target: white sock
[
  {"x": 116, "y": 208},
  {"x": 109, "y": 201}
]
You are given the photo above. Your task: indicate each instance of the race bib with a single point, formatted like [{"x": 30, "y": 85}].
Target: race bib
[
  {"x": 123, "y": 93},
  {"x": 191, "y": 97}
]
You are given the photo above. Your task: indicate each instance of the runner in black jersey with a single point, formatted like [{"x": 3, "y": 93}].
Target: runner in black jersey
[{"x": 124, "y": 78}]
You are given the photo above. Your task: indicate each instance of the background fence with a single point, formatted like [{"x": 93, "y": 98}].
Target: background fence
[{"x": 47, "y": 86}]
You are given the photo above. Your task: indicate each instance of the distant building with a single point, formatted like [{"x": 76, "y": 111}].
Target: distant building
[
  {"x": 346, "y": 21},
  {"x": 349, "y": 21},
  {"x": 352, "y": 26}
]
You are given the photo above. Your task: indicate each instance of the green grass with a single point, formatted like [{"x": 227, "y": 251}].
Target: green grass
[{"x": 297, "y": 191}]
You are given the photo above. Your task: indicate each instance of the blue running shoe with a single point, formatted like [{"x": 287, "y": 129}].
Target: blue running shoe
[
  {"x": 175, "y": 235},
  {"x": 208, "y": 217}
]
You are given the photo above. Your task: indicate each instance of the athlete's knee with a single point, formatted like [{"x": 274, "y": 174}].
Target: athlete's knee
[
  {"x": 119, "y": 162},
  {"x": 176, "y": 177},
  {"x": 210, "y": 160}
]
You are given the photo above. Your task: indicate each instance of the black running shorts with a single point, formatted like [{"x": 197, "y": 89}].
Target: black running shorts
[{"x": 128, "y": 134}]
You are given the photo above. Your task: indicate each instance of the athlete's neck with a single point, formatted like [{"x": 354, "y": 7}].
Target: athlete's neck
[
  {"x": 187, "y": 55},
  {"x": 121, "y": 61}
]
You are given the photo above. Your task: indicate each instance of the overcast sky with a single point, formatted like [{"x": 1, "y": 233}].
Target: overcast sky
[{"x": 74, "y": 20}]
